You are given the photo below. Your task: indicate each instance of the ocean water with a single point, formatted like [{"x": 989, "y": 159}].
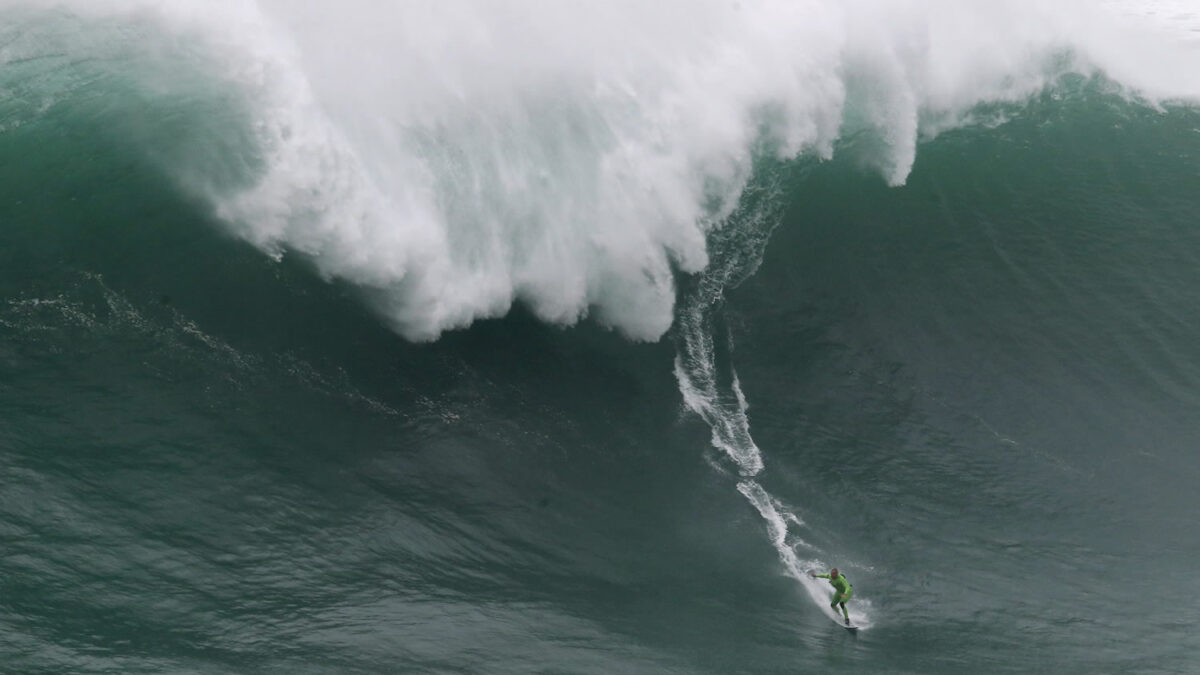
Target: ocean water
[{"x": 567, "y": 337}]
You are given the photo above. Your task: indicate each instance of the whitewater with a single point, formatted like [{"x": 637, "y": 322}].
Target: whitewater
[{"x": 453, "y": 158}]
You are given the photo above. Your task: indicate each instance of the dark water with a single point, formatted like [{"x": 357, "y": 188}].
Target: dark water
[{"x": 976, "y": 394}]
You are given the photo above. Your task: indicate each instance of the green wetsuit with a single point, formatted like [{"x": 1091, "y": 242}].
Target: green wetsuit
[{"x": 842, "y": 592}]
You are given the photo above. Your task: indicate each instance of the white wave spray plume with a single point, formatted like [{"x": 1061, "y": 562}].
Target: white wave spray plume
[{"x": 454, "y": 157}]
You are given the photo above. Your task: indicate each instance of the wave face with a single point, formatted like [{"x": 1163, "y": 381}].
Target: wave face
[{"x": 940, "y": 258}]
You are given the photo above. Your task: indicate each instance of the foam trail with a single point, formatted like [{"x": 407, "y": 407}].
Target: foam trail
[
  {"x": 710, "y": 386},
  {"x": 777, "y": 516},
  {"x": 695, "y": 370},
  {"x": 710, "y": 389}
]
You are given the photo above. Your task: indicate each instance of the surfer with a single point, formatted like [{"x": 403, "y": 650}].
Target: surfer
[{"x": 842, "y": 590}]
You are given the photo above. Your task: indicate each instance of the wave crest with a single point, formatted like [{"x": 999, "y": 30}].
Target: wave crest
[{"x": 455, "y": 157}]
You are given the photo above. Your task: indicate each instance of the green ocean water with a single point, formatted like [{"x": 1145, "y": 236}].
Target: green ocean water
[{"x": 975, "y": 393}]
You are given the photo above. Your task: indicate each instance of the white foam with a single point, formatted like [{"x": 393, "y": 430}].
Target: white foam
[
  {"x": 456, "y": 156},
  {"x": 696, "y": 373}
]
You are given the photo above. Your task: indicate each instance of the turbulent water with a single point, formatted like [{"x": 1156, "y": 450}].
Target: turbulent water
[{"x": 567, "y": 337}]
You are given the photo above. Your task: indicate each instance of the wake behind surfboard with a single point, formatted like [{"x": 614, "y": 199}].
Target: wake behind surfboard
[
  {"x": 841, "y": 621},
  {"x": 850, "y": 627}
]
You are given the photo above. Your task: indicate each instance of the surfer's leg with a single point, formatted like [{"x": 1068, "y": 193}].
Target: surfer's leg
[{"x": 839, "y": 600}]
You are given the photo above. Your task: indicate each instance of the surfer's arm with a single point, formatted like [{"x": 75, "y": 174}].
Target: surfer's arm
[{"x": 819, "y": 576}]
